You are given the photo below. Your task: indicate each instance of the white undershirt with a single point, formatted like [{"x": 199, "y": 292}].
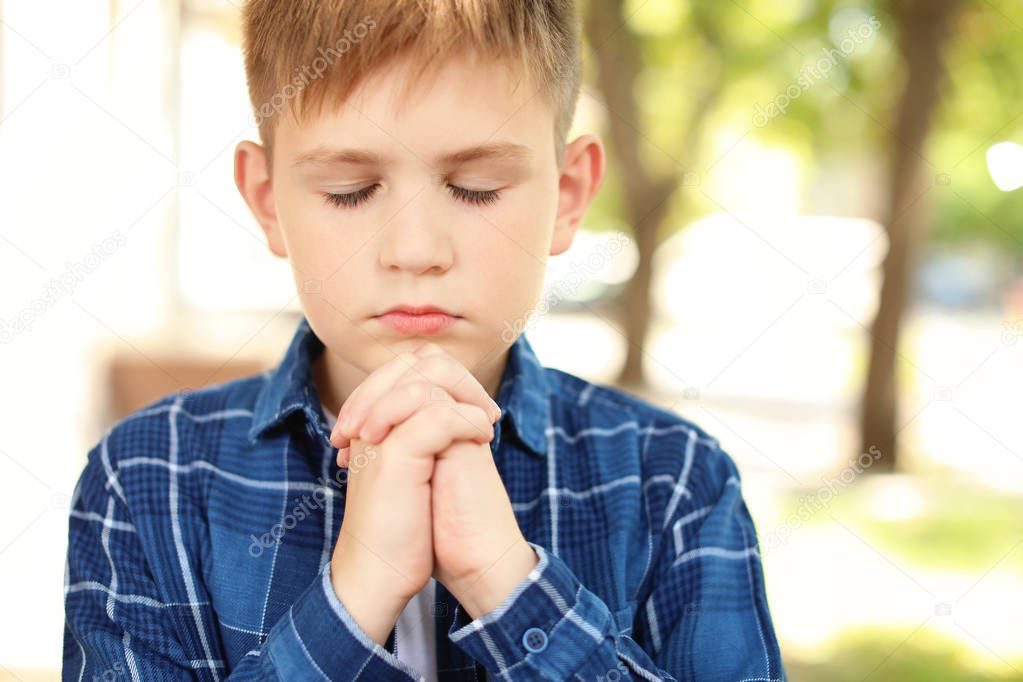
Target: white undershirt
[{"x": 414, "y": 641}]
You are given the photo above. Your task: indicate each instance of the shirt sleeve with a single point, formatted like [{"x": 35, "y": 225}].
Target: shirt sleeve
[
  {"x": 119, "y": 621},
  {"x": 704, "y": 615}
]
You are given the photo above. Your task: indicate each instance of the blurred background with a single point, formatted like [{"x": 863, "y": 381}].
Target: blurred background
[{"x": 810, "y": 244}]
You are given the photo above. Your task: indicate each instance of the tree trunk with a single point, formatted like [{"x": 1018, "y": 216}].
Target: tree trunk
[
  {"x": 923, "y": 26},
  {"x": 634, "y": 302},
  {"x": 619, "y": 60}
]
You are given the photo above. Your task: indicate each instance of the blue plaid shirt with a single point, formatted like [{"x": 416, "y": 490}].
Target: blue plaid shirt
[{"x": 202, "y": 526}]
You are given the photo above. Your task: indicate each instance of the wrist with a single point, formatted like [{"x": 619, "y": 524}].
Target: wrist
[
  {"x": 483, "y": 592},
  {"x": 373, "y": 608}
]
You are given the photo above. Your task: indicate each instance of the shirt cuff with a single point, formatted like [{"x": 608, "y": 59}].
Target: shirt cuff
[
  {"x": 548, "y": 626},
  {"x": 319, "y": 639}
]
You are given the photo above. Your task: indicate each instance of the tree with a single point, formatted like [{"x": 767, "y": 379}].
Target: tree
[
  {"x": 923, "y": 27},
  {"x": 646, "y": 191}
]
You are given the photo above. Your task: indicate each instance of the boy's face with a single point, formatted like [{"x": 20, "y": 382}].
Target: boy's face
[{"x": 454, "y": 200}]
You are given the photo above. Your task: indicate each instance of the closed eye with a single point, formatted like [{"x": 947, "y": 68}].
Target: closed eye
[
  {"x": 472, "y": 196},
  {"x": 353, "y": 199}
]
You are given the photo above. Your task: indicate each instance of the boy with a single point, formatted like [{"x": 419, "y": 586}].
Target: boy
[{"x": 414, "y": 172}]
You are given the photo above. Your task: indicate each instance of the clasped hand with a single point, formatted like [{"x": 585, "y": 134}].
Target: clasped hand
[{"x": 424, "y": 497}]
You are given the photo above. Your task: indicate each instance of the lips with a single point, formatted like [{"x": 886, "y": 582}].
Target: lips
[
  {"x": 419, "y": 310},
  {"x": 418, "y": 320}
]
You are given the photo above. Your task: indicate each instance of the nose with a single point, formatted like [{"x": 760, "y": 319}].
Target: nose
[{"x": 416, "y": 239}]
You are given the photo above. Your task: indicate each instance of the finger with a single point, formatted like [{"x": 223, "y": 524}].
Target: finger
[
  {"x": 366, "y": 393},
  {"x": 344, "y": 455},
  {"x": 434, "y": 428},
  {"x": 397, "y": 405},
  {"x": 434, "y": 366},
  {"x": 431, "y": 348},
  {"x": 447, "y": 373}
]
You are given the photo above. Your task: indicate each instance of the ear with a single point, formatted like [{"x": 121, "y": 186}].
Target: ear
[
  {"x": 582, "y": 172},
  {"x": 252, "y": 176}
]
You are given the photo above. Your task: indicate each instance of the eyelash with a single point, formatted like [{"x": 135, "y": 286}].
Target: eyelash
[{"x": 469, "y": 196}]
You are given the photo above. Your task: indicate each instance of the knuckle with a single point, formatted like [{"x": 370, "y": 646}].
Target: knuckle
[
  {"x": 374, "y": 420},
  {"x": 434, "y": 364},
  {"x": 481, "y": 421},
  {"x": 408, "y": 358},
  {"x": 418, "y": 391},
  {"x": 455, "y": 373},
  {"x": 451, "y": 374},
  {"x": 451, "y": 417},
  {"x": 369, "y": 421},
  {"x": 442, "y": 414},
  {"x": 439, "y": 393}
]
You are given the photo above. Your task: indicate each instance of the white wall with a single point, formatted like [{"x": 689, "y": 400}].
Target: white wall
[{"x": 86, "y": 155}]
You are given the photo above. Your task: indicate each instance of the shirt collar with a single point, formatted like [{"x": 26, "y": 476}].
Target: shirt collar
[
  {"x": 290, "y": 387},
  {"x": 523, "y": 394}
]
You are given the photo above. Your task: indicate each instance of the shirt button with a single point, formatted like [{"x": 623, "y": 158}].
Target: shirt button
[{"x": 534, "y": 639}]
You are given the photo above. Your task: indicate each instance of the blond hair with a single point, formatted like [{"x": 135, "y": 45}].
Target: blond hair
[{"x": 302, "y": 55}]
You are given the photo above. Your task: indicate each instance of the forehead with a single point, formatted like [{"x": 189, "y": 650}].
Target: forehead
[{"x": 464, "y": 101}]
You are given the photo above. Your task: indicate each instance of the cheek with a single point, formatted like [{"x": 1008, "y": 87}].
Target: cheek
[
  {"x": 312, "y": 236},
  {"x": 528, "y": 218},
  {"x": 510, "y": 253},
  {"x": 327, "y": 268},
  {"x": 506, "y": 278}
]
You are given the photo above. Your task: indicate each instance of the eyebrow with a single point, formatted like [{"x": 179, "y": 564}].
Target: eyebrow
[{"x": 327, "y": 156}]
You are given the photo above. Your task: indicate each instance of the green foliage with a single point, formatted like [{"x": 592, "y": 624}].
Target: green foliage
[
  {"x": 750, "y": 52},
  {"x": 961, "y": 528},
  {"x": 983, "y": 105},
  {"x": 899, "y": 654}
]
